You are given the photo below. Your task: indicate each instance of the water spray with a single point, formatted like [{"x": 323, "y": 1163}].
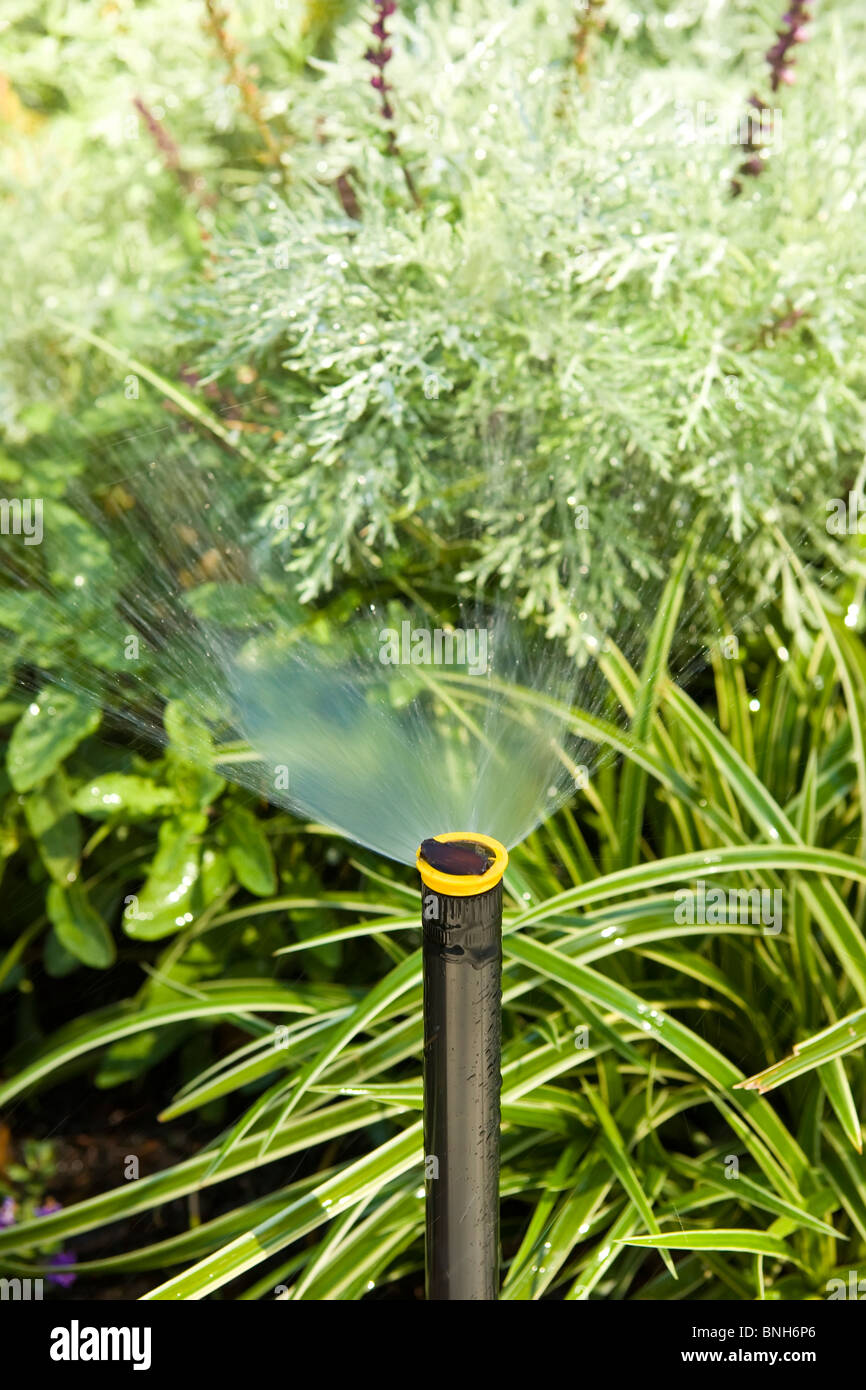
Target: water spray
[
  {"x": 371, "y": 721},
  {"x": 462, "y": 955}
]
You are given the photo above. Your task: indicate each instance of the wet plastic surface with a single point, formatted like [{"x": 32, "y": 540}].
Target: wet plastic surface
[
  {"x": 462, "y": 1058},
  {"x": 457, "y": 856}
]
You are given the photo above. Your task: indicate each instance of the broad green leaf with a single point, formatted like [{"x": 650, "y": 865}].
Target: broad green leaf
[
  {"x": 118, "y": 793},
  {"x": 79, "y": 926},
  {"x": 189, "y": 758},
  {"x": 53, "y": 724},
  {"x": 54, "y": 826},
  {"x": 164, "y": 903},
  {"x": 57, "y": 960},
  {"x": 249, "y": 851}
]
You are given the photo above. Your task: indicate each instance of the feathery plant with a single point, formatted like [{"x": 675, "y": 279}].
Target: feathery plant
[{"x": 564, "y": 307}]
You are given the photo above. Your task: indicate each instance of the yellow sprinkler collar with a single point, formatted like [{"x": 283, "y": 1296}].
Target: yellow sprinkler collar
[{"x": 464, "y": 885}]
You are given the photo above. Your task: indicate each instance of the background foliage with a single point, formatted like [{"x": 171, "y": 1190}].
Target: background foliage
[{"x": 571, "y": 306}]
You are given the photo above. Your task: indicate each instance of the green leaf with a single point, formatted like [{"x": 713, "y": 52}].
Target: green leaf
[
  {"x": 51, "y": 726},
  {"x": 823, "y": 899},
  {"x": 615, "y": 1152},
  {"x": 151, "y": 1190},
  {"x": 751, "y": 1242},
  {"x": 58, "y": 962},
  {"x": 634, "y": 777},
  {"x": 352, "y": 1184},
  {"x": 79, "y": 926},
  {"x": 164, "y": 903},
  {"x": 837, "y": 1088},
  {"x": 94, "y": 1031},
  {"x": 189, "y": 758},
  {"x": 117, "y": 793},
  {"x": 54, "y": 826},
  {"x": 666, "y": 1031},
  {"x": 249, "y": 852},
  {"x": 848, "y": 1035}
]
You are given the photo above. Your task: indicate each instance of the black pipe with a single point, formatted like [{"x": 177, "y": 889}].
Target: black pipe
[{"x": 462, "y": 955}]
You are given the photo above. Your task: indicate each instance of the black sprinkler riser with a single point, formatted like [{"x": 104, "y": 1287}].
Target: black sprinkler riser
[{"x": 462, "y": 954}]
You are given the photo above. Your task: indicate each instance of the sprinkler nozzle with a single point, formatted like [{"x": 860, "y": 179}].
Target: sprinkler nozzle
[{"x": 461, "y": 863}]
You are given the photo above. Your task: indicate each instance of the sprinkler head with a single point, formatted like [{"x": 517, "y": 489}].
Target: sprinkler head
[
  {"x": 461, "y": 921},
  {"x": 460, "y": 863}
]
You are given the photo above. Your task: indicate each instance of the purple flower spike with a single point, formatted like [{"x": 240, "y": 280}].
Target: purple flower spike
[
  {"x": 793, "y": 32},
  {"x": 64, "y": 1257},
  {"x": 780, "y": 58},
  {"x": 8, "y": 1210},
  {"x": 379, "y": 55}
]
